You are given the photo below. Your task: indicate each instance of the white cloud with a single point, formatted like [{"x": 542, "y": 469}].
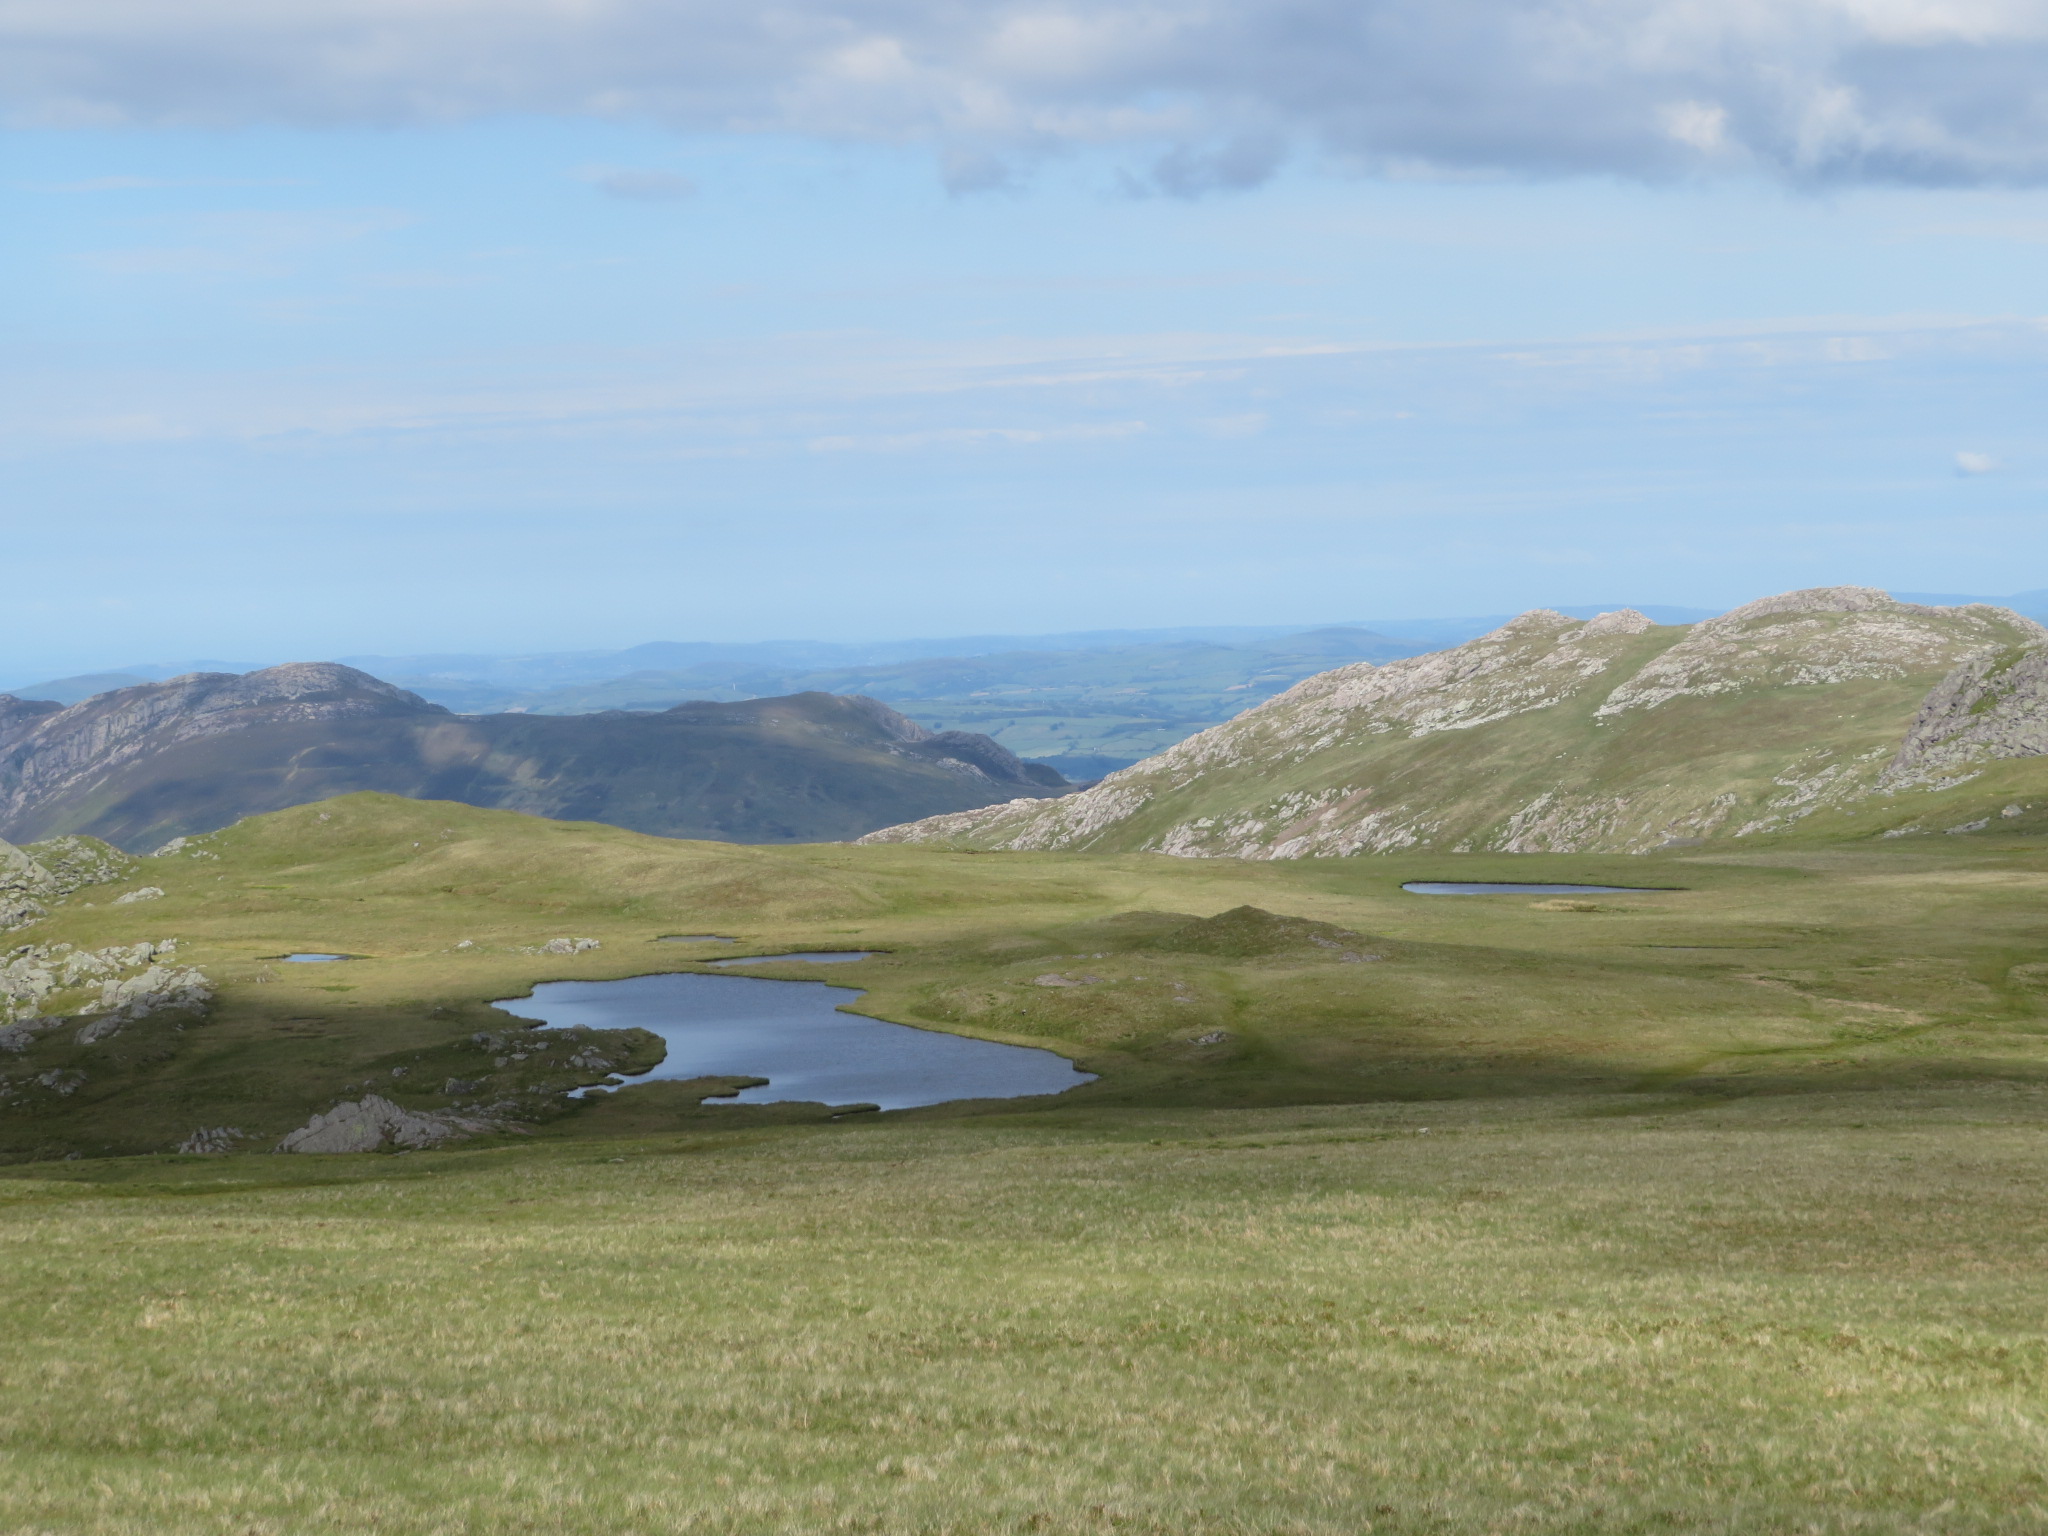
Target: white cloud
[
  {"x": 1968, "y": 463},
  {"x": 1207, "y": 94}
]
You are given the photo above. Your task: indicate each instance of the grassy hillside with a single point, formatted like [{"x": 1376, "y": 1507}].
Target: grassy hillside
[
  {"x": 1553, "y": 735},
  {"x": 1766, "y": 971}
]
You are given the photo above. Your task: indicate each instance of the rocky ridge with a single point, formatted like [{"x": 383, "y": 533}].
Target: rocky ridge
[
  {"x": 1550, "y": 735},
  {"x": 159, "y": 761},
  {"x": 48, "y": 754}
]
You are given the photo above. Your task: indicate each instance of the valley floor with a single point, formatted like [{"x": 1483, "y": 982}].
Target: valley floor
[{"x": 1815, "y": 1313}]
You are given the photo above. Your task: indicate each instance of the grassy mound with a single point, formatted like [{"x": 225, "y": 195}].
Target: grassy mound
[{"x": 1246, "y": 931}]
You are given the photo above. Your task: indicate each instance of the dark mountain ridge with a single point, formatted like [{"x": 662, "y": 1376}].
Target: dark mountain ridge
[{"x": 143, "y": 764}]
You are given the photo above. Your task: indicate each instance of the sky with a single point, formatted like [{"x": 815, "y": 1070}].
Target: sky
[{"x": 388, "y": 326}]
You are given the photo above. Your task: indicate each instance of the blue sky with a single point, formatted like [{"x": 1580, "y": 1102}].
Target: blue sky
[{"x": 613, "y": 347}]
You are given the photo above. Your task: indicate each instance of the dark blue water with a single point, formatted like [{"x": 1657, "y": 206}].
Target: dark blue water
[
  {"x": 814, "y": 956},
  {"x": 1517, "y": 888},
  {"x": 792, "y": 1033}
]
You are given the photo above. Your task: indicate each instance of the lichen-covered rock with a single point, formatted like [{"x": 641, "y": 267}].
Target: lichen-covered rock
[
  {"x": 17, "y": 1037},
  {"x": 75, "y": 862},
  {"x": 143, "y": 893},
  {"x": 25, "y": 888},
  {"x": 1990, "y": 706},
  {"x": 156, "y": 990},
  {"x": 373, "y": 1123},
  {"x": 33, "y": 877},
  {"x": 570, "y": 946},
  {"x": 212, "y": 1140},
  {"x": 1803, "y": 639},
  {"x": 33, "y": 974}
]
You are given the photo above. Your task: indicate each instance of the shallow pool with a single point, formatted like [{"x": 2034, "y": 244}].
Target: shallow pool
[
  {"x": 813, "y": 956},
  {"x": 793, "y": 1034},
  {"x": 1519, "y": 888},
  {"x": 312, "y": 959}
]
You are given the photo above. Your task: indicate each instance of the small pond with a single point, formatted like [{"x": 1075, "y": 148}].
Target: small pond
[
  {"x": 813, "y": 956},
  {"x": 312, "y": 959},
  {"x": 1520, "y": 888},
  {"x": 792, "y": 1033}
]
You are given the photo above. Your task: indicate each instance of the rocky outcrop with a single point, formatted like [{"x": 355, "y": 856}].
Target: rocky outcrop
[
  {"x": 74, "y": 863},
  {"x": 113, "y": 986},
  {"x": 160, "y": 989},
  {"x": 373, "y": 1124},
  {"x": 212, "y": 1140},
  {"x": 1812, "y": 638},
  {"x": 32, "y": 877},
  {"x": 17, "y": 1037},
  {"x": 25, "y": 887},
  {"x": 1991, "y": 706}
]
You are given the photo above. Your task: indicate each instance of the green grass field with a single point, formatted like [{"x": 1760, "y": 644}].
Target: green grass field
[
  {"x": 1776, "y": 1314},
  {"x": 1715, "y": 1209}
]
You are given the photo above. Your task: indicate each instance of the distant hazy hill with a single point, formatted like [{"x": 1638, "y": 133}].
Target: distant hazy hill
[
  {"x": 143, "y": 764},
  {"x": 1837, "y": 710},
  {"x": 1084, "y": 710}
]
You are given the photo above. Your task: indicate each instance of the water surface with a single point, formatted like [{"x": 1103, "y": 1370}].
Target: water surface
[
  {"x": 312, "y": 959},
  {"x": 814, "y": 956},
  {"x": 1519, "y": 888},
  {"x": 792, "y": 1033}
]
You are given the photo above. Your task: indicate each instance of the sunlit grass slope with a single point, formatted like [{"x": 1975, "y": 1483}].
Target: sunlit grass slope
[
  {"x": 1776, "y": 1314},
  {"x": 1797, "y": 969}
]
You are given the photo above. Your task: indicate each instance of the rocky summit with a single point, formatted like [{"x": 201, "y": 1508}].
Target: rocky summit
[{"x": 1836, "y": 708}]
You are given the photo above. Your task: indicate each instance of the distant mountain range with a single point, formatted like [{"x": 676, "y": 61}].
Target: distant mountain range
[
  {"x": 1086, "y": 702},
  {"x": 1836, "y": 712},
  {"x": 143, "y": 764}
]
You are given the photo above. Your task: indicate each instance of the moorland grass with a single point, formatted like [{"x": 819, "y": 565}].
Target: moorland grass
[
  {"x": 1715, "y": 1209},
  {"x": 1778, "y": 1314},
  {"x": 1776, "y": 968}
]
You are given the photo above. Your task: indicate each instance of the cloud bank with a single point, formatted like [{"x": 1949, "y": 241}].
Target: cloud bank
[{"x": 1204, "y": 94}]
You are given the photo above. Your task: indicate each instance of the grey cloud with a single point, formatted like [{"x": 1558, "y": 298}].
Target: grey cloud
[
  {"x": 972, "y": 170},
  {"x": 1245, "y": 161},
  {"x": 641, "y": 186},
  {"x": 1813, "y": 91}
]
